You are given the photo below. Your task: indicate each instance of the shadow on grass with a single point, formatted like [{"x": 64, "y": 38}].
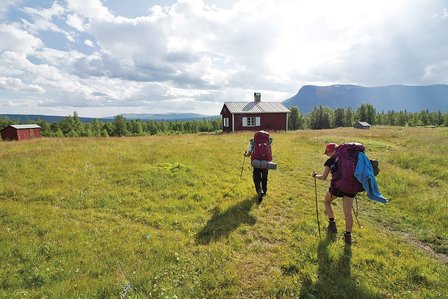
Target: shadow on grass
[
  {"x": 334, "y": 276},
  {"x": 223, "y": 223}
]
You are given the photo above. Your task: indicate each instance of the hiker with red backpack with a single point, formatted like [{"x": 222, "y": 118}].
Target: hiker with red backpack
[
  {"x": 331, "y": 166},
  {"x": 260, "y": 151}
]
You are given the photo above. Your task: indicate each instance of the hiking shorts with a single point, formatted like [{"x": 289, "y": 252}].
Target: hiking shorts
[{"x": 337, "y": 193}]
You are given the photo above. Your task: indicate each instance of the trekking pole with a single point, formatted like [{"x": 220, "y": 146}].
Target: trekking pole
[
  {"x": 356, "y": 213},
  {"x": 237, "y": 182},
  {"x": 242, "y": 167},
  {"x": 317, "y": 209}
]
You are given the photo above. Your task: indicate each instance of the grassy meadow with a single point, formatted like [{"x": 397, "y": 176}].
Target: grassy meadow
[{"x": 170, "y": 217}]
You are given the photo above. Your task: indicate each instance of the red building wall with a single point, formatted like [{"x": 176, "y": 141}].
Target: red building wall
[
  {"x": 27, "y": 134},
  {"x": 226, "y": 114},
  {"x": 268, "y": 121},
  {"x": 9, "y": 133}
]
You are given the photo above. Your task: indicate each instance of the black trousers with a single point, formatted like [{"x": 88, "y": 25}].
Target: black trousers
[{"x": 260, "y": 176}]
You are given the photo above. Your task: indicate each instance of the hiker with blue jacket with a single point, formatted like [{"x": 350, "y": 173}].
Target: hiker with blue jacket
[
  {"x": 351, "y": 172},
  {"x": 333, "y": 193}
]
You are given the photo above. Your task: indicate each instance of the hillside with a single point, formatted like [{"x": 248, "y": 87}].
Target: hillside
[
  {"x": 169, "y": 217},
  {"x": 169, "y": 116},
  {"x": 26, "y": 118},
  {"x": 385, "y": 98},
  {"x": 131, "y": 116}
]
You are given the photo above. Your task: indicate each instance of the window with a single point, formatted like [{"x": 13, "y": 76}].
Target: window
[
  {"x": 251, "y": 121},
  {"x": 226, "y": 122}
]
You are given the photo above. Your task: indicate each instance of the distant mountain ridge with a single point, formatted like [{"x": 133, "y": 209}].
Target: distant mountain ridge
[
  {"x": 168, "y": 116},
  {"x": 32, "y": 117},
  {"x": 383, "y": 98},
  {"x": 131, "y": 116}
]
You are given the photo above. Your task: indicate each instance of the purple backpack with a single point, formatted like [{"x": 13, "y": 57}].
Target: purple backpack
[{"x": 343, "y": 178}]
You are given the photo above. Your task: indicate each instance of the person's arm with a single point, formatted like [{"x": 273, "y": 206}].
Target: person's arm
[
  {"x": 249, "y": 149},
  {"x": 322, "y": 176}
]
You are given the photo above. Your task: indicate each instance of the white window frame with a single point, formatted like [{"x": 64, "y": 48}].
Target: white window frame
[
  {"x": 251, "y": 121},
  {"x": 226, "y": 122}
]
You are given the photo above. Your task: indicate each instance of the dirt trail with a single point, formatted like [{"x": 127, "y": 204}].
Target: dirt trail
[{"x": 443, "y": 258}]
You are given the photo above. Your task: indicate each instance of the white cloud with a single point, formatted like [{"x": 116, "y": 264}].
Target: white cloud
[
  {"x": 89, "y": 43},
  {"x": 15, "y": 84},
  {"x": 44, "y": 19},
  {"x": 436, "y": 73},
  {"x": 75, "y": 22},
  {"x": 5, "y": 5},
  {"x": 92, "y": 9},
  {"x": 55, "y": 10},
  {"x": 16, "y": 40}
]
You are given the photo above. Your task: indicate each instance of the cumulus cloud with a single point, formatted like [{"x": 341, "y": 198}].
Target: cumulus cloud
[
  {"x": 76, "y": 22},
  {"x": 43, "y": 19},
  {"x": 178, "y": 45},
  {"x": 15, "y": 84},
  {"x": 16, "y": 40},
  {"x": 93, "y": 9}
]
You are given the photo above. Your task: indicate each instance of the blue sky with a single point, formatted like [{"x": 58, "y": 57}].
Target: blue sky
[{"x": 107, "y": 57}]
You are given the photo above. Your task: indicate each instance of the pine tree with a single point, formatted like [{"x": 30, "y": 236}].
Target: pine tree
[
  {"x": 339, "y": 118},
  {"x": 120, "y": 126},
  {"x": 349, "y": 117},
  {"x": 293, "y": 120},
  {"x": 370, "y": 114}
]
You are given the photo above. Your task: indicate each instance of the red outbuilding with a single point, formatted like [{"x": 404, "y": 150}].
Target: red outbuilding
[
  {"x": 254, "y": 116},
  {"x": 21, "y": 132}
]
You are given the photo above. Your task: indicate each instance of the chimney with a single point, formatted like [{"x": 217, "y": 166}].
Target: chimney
[{"x": 257, "y": 97}]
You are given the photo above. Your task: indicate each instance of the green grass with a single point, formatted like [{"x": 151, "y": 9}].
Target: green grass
[{"x": 169, "y": 217}]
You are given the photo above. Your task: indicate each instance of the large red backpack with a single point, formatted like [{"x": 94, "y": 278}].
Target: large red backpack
[
  {"x": 262, "y": 146},
  {"x": 343, "y": 177}
]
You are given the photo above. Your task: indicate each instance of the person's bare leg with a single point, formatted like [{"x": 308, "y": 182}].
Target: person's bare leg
[
  {"x": 347, "y": 203},
  {"x": 331, "y": 228},
  {"x": 328, "y": 200}
]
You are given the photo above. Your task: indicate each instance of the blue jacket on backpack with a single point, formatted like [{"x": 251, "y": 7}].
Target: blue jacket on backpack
[{"x": 364, "y": 174}]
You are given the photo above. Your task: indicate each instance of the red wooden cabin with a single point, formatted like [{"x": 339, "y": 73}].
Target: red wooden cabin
[
  {"x": 21, "y": 132},
  {"x": 254, "y": 116}
]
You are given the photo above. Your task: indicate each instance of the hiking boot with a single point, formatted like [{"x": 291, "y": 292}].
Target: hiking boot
[
  {"x": 260, "y": 197},
  {"x": 264, "y": 192},
  {"x": 347, "y": 239},
  {"x": 331, "y": 228}
]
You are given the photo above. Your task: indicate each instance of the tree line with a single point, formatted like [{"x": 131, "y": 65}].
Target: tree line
[
  {"x": 322, "y": 117},
  {"x": 72, "y": 126}
]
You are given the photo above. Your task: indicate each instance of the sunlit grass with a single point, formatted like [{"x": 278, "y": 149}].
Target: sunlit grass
[{"x": 169, "y": 216}]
